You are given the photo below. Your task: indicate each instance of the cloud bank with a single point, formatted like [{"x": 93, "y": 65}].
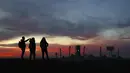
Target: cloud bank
[{"x": 85, "y": 18}]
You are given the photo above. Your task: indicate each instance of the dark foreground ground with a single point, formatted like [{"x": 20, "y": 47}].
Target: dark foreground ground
[{"x": 63, "y": 66}]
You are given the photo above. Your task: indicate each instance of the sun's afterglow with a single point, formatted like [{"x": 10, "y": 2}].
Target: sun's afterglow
[{"x": 61, "y": 40}]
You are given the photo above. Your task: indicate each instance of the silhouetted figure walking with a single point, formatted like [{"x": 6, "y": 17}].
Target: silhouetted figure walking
[
  {"x": 44, "y": 45},
  {"x": 22, "y": 46},
  {"x": 32, "y": 47}
]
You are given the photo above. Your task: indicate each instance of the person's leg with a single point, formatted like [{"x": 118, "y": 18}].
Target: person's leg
[
  {"x": 42, "y": 54},
  {"x": 34, "y": 55},
  {"x": 30, "y": 57},
  {"x": 22, "y": 55},
  {"x": 46, "y": 53}
]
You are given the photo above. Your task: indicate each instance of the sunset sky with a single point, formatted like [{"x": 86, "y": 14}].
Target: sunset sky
[{"x": 91, "y": 23}]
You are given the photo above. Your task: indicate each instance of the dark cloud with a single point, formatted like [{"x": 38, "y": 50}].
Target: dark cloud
[{"x": 71, "y": 18}]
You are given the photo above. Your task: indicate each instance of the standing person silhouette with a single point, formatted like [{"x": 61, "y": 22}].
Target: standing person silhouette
[
  {"x": 22, "y": 46},
  {"x": 44, "y": 45},
  {"x": 32, "y": 47}
]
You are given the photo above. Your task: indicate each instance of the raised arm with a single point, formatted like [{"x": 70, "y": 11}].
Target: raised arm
[{"x": 26, "y": 40}]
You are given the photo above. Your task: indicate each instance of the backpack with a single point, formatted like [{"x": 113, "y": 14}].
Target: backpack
[{"x": 20, "y": 44}]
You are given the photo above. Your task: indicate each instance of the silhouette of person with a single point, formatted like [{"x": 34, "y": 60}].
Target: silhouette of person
[
  {"x": 44, "y": 45},
  {"x": 32, "y": 47},
  {"x": 23, "y": 46}
]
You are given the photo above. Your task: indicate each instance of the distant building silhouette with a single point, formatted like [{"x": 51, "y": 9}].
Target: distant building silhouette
[
  {"x": 77, "y": 50},
  {"x": 110, "y": 50}
]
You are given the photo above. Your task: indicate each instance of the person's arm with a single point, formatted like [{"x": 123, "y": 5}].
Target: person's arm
[
  {"x": 26, "y": 40},
  {"x": 40, "y": 43}
]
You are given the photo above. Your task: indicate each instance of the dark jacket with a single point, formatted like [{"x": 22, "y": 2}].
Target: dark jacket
[{"x": 43, "y": 44}]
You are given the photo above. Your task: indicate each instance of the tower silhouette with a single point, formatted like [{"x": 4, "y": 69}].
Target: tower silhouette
[
  {"x": 100, "y": 52},
  {"x": 118, "y": 53},
  {"x": 110, "y": 49},
  {"x": 69, "y": 50},
  {"x": 84, "y": 51},
  {"x": 77, "y": 50},
  {"x": 60, "y": 53}
]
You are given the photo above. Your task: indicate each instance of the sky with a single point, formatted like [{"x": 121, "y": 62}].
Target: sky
[{"x": 65, "y": 22}]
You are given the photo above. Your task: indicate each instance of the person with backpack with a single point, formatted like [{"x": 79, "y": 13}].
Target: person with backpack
[
  {"x": 22, "y": 46},
  {"x": 44, "y": 45}
]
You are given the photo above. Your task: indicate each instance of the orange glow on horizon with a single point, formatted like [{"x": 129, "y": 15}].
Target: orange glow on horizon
[
  {"x": 16, "y": 52},
  {"x": 53, "y": 48}
]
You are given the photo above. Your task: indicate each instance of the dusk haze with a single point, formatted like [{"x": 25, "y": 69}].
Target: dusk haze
[{"x": 64, "y": 35}]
